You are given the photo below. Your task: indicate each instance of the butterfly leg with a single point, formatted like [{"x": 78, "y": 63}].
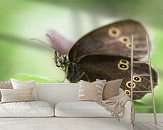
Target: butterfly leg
[
  {"x": 82, "y": 75},
  {"x": 86, "y": 77}
]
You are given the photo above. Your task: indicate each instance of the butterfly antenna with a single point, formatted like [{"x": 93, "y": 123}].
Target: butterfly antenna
[
  {"x": 49, "y": 38},
  {"x": 43, "y": 43}
]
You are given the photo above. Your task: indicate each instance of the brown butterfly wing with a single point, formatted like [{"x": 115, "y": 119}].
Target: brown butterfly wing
[
  {"x": 116, "y": 67},
  {"x": 101, "y": 67},
  {"x": 112, "y": 39},
  {"x": 140, "y": 83}
]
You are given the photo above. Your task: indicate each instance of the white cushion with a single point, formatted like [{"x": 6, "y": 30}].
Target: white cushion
[
  {"x": 20, "y": 84},
  {"x": 16, "y": 95},
  {"x": 26, "y": 109},
  {"x": 80, "y": 109},
  {"x": 23, "y": 85}
]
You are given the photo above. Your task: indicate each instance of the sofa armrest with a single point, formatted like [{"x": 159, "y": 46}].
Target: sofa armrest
[
  {"x": 128, "y": 106},
  {"x": 127, "y": 112}
]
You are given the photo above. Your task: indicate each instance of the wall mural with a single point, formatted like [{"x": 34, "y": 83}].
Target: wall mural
[
  {"x": 31, "y": 50},
  {"x": 105, "y": 54}
]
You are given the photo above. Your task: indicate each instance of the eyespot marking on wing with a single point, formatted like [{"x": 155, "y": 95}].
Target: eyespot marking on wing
[
  {"x": 113, "y": 32},
  {"x": 137, "y": 78},
  {"x": 127, "y": 92},
  {"x": 123, "y": 66},
  {"x": 124, "y": 39},
  {"x": 128, "y": 84},
  {"x": 124, "y": 61},
  {"x": 128, "y": 45}
]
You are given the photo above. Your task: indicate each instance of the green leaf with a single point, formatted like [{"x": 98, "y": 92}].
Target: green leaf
[{"x": 38, "y": 79}]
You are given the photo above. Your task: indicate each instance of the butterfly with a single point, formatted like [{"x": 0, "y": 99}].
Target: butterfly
[{"x": 105, "y": 53}]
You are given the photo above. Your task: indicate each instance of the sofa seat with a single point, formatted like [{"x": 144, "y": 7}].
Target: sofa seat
[
  {"x": 80, "y": 109},
  {"x": 26, "y": 109}
]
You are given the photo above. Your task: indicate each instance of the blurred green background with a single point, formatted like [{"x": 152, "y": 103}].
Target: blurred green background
[{"x": 21, "y": 20}]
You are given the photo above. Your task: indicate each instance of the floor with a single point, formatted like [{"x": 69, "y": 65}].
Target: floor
[
  {"x": 145, "y": 121},
  {"x": 63, "y": 124},
  {"x": 73, "y": 124},
  {"x": 148, "y": 126}
]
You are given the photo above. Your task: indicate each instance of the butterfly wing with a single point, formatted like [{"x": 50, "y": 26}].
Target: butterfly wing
[
  {"x": 115, "y": 67},
  {"x": 112, "y": 39}
]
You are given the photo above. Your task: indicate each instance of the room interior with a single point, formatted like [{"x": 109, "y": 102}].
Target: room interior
[{"x": 29, "y": 58}]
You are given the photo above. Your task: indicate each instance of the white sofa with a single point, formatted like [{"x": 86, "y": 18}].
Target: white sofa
[{"x": 69, "y": 113}]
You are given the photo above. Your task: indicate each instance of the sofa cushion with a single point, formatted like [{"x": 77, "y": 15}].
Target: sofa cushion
[
  {"x": 5, "y": 85},
  {"x": 91, "y": 91},
  {"x": 21, "y": 84},
  {"x": 80, "y": 109},
  {"x": 16, "y": 95},
  {"x": 24, "y": 85},
  {"x": 26, "y": 109},
  {"x": 111, "y": 88}
]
